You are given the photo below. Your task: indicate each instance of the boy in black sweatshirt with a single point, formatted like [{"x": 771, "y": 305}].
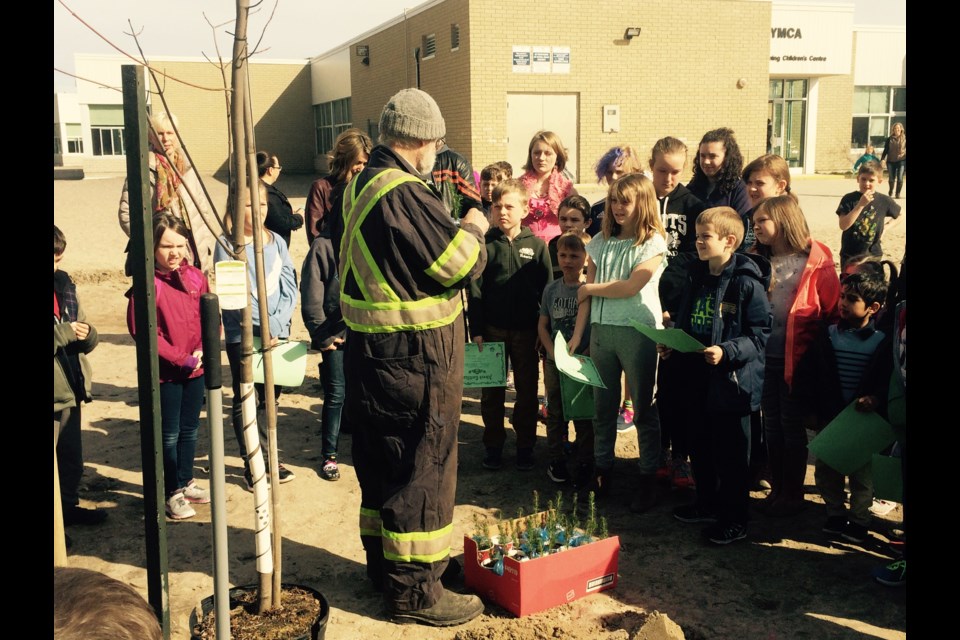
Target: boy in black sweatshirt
[{"x": 505, "y": 307}]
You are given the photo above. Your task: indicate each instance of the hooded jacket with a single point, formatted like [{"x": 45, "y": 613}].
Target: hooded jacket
[
  {"x": 178, "y": 321},
  {"x": 320, "y": 293},
  {"x": 741, "y": 326},
  {"x": 507, "y": 294},
  {"x": 71, "y": 369}
]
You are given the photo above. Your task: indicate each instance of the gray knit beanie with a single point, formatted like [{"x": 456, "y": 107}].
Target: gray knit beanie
[{"x": 412, "y": 113}]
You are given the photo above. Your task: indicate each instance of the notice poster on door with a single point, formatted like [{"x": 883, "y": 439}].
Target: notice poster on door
[
  {"x": 541, "y": 60},
  {"x": 561, "y": 59},
  {"x": 521, "y": 59}
]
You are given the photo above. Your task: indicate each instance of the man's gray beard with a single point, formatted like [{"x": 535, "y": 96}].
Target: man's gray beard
[{"x": 427, "y": 160}]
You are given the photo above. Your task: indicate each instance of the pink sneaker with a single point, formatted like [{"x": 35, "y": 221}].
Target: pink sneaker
[{"x": 682, "y": 476}]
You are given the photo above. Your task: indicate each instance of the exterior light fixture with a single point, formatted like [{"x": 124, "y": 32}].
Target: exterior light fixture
[{"x": 631, "y": 33}]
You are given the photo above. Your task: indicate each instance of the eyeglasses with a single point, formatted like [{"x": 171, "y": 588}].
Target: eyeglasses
[{"x": 278, "y": 167}]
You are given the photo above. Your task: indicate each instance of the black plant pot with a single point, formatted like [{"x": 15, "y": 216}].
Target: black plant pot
[{"x": 318, "y": 630}]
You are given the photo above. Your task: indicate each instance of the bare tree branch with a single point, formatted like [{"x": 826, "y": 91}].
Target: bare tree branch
[
  {"x": 105, "y": 86},
  {"x": 143, "y": 62}
]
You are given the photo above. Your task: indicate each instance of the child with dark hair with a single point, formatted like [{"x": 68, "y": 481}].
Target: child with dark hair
[
  {"x": 850, "y": 362},
  {"x": 716, "y": 172},
  {"x": 73, "y": 339},
  {"x": 490, "y": 177},
  {"x": 178, "y": 286},
  {"x": 574, "y": 215},
  {"x": 558, "y": 314}
]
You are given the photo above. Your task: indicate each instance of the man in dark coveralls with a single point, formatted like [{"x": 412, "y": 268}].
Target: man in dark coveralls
[{"x": 403, "y": 262}]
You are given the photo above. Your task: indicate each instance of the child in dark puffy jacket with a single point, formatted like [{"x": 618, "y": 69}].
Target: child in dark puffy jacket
[{"x": 724, "y": 306}]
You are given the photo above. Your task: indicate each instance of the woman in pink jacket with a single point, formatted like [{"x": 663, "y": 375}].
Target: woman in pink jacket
[
  {"x": 546, "y": 184},
  {"x": 179, "y": 286},
  {"x": 804, "y": 292}
]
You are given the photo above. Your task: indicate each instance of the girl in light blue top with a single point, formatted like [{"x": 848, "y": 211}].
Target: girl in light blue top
[
  {"x": 624, "y": 264},
  {"x": 282, "y": 295}
]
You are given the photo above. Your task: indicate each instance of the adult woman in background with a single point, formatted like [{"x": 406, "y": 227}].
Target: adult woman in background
[
  {"x": 281, "y": 218},
  {"x": 545, "y": 183},
  {"x": 895, "y": 153},
  {"x": 175, "y": 188},
  {"x": 348, "y": 158}
]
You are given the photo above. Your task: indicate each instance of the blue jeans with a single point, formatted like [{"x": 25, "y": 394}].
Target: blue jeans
[
  {"x": 180, "y": 404},
  {"x": 333, "y": 383},
  {"x": 617, "y": 350},
  {"x": 895, "y": 172}
]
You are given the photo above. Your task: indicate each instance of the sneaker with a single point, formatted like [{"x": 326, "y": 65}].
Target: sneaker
[
  {"x": 525, "y": 459},
  {"x": 542, "y": 410},
  {"x": 248, "y": 480},
  {"x": 510, "y": 385},
  {"x": 835, "y": 525},
  {"x": 725, "y": 533},
  {"x": 193, "y": 493},
  {"x": 882, "y": 507},
  {"x": 625, "y": 419},
  {"x": 681, "y": 476},
  {"x": 892, "y": 575},
  {"x": 855, "y": 532},
  {"x": 692, "y": 513},
  {"x": 493, "y": 459},
  {"x": 451, "y": 609},
  {"x": 557, "y": 471},
  {"x": 329, "y": 471},
  {"x": 285, "y": 474},
  {"x": 178, "y": 508},
  {"x": 79, "y": 515},
  {"x": 584, "y": 476}
]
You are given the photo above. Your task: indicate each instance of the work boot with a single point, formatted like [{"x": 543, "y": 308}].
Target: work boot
[
  {"x": 451, "y": 609},
  {"x": 646, "y": 495}
]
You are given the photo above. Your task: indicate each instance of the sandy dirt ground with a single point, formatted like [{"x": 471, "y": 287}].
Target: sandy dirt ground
[{"x": 786, "y": 581}]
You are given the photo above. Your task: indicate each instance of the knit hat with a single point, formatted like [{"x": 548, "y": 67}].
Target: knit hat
[{"x": 412, "y": 113}]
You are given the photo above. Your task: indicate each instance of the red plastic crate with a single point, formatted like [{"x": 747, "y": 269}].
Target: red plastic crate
[{"x": 545, "y": 582}]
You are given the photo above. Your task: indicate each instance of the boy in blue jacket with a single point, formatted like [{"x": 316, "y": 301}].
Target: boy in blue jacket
[{"x": 725, "y": 306}]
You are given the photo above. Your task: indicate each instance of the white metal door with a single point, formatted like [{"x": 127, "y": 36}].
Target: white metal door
[{"x": 528, "y": 113}]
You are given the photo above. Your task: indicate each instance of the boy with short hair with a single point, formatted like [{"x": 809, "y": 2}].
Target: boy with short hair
[
  {"x": 558, "y": 312},
  {"x": 724, "y": 305},
  {"x": 73, "y": 339},
  {"x": 504, "y": 307},
  {"x": 490, "y": 177},
  {"x": 574, "y": 216},
  {"x": 863, "y": 213},
  {"x": 848, "y": 362}
]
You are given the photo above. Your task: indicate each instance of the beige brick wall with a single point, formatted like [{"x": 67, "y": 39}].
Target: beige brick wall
[
  {"x": 835, "y": 120},
  {"x": 677, "y": 78},
  {"x": 445, "y": 76},
  {"x": 281, "y": 104}
]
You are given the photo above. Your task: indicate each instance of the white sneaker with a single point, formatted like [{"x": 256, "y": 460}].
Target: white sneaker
[
  {"x": 193, "y": 493},
  {"x": 177, "y": 507},
  {"x": 882, "y": 507}
]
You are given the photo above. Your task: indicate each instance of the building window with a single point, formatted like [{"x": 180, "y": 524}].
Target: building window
[
  {"x": 74, "y": 138},
  {"x": 428, "y": 46},
  {"x": 875, "y": 110},
  {"x": 331, "y": 119},
  {"x": 454, "y": 37},
  {"x": 107, "y": 141},
  {"x": 57, "y": 148}
]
